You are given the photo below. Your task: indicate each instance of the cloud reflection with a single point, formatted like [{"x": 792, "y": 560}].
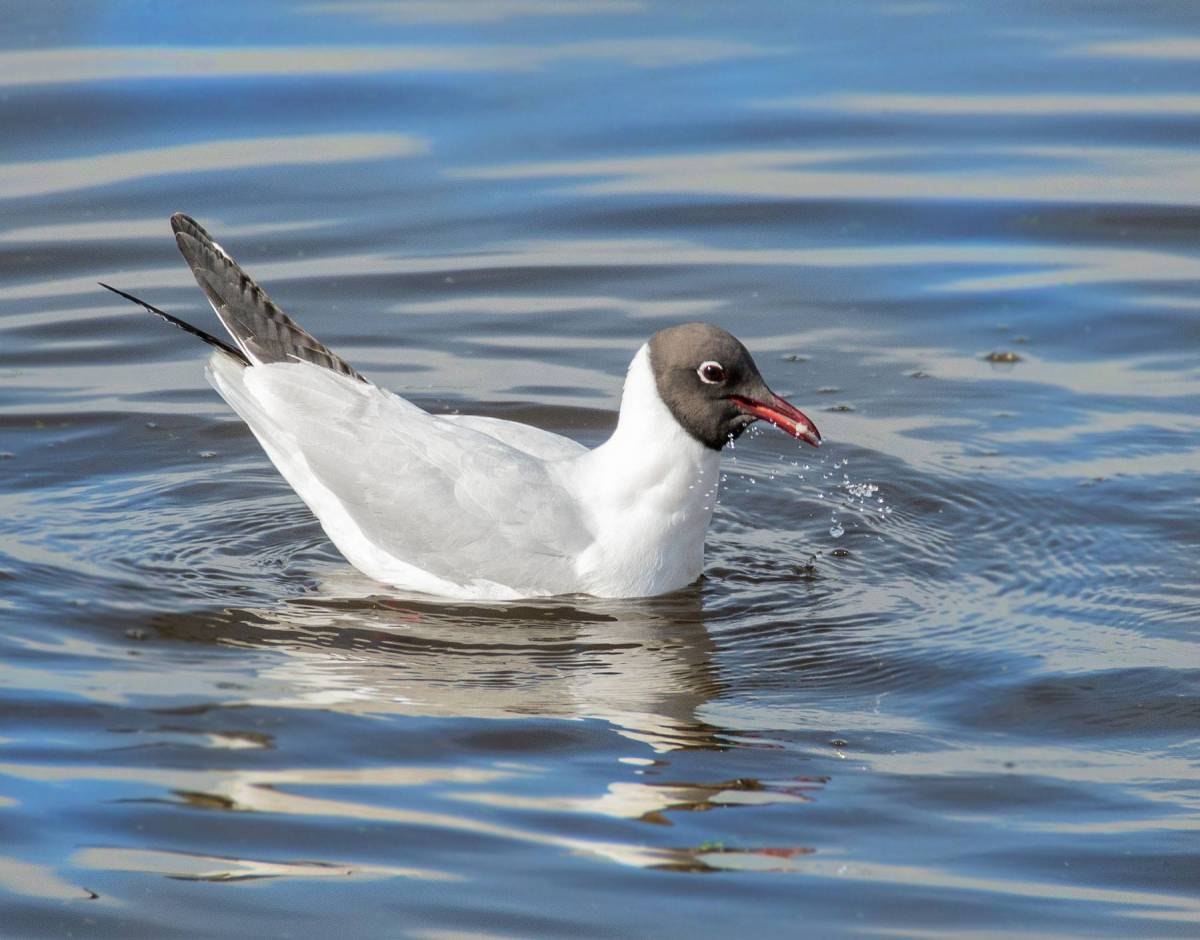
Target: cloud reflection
[
  {"x": 1031, "y": 105},
  {"x": 1185, "y": 48},
  {"x": 958, "y": 267},
  {"x": 85, "y": 65},
  {"x": 42, "y": 177},
  {"x": 37, "y": 881},
  {"x": 1054, "y": 174},
  {"x": 144, "y": 229},
  {"x": 474, "y": 11},
  {"x": 187, "y": 867}
]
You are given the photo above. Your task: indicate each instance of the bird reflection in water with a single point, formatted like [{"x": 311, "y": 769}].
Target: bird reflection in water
[{"x": 646, "y": 668}]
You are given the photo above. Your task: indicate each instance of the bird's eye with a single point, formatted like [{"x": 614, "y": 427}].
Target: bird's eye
[{"x": 711, "y": 373}]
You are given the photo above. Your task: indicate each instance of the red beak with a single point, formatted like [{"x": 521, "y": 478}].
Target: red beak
[{"x": 783, "y": 414}]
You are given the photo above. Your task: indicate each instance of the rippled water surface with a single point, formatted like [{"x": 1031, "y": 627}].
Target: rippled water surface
[{"x": 941, "y": 678}]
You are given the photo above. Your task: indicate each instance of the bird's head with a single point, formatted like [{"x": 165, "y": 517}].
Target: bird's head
[{"x": 710, "y": 384}]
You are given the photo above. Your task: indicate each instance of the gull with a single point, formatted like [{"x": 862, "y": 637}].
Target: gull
[{"x": 478, "y": 508}]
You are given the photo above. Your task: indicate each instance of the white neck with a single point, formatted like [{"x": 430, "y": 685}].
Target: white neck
[
  {"x": 651, "y": 489},
  {"x": 645, "y": 422}
]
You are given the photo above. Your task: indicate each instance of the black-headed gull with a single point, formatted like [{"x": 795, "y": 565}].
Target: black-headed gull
[{"x": 475, "y": 507}]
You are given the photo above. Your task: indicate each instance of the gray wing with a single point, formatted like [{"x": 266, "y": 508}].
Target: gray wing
[
  {"x": 461, "y": 509},
  {"x": 385, "y": 476},
  {"x": 261, "y": 330},
  {"x": 545, "y": 445}
]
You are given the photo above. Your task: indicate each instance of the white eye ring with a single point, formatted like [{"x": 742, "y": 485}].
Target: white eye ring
[{"x": 711, "y": 372}]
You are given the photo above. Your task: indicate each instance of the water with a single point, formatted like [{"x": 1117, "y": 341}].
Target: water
[{"x": 963, "y": 237}]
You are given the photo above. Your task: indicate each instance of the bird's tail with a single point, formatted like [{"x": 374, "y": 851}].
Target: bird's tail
[
  {"x": 259, "y": 328},
  {"x": 182, "y": 324},
  {"x": 261, "y": 332}
]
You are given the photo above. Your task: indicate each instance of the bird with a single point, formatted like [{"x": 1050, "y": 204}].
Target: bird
[{"x": 478, "y": 508}]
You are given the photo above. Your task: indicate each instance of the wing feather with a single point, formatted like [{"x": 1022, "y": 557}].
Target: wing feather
[{"x": 261, "y": 330}]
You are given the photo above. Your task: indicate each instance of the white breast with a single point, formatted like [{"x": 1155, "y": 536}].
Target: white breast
[{"x": 649, "y": 493}]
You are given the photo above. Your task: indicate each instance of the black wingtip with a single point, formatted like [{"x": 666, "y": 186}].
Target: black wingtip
[
  {"x": 183, "y": 224},
  {"x": 182, "y": 324}
]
